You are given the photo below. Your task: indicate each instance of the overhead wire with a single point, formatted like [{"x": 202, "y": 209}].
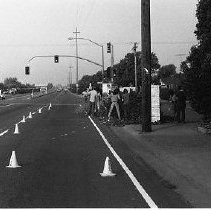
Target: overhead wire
[{"x": 89, "y": 44}]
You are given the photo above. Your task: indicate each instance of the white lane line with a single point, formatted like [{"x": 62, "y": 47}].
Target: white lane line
[
  {"x": 1, "y": 134},
  {"x": 141, "y": 190},
  {"x": 6, "y": 105}
]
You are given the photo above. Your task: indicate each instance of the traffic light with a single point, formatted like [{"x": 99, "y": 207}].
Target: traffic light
[
  {"x": 135, "y": 47},
  {"x": 56, "y": 59},
  {"x": 27, "y": 70},
  {"x": 109, "y": 47}
]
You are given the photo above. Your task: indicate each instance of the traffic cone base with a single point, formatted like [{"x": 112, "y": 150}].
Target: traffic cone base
[
  {"x": 107, "y": 172},
  {"x": 13, "y": 161},
  {"x": 16, "y": 129}
]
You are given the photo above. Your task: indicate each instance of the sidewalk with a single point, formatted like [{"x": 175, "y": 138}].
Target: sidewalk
[{"x": 178, "y": 153}]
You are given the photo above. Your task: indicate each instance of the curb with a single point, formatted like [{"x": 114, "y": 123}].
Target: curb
[{"x": 204, "y": 130}]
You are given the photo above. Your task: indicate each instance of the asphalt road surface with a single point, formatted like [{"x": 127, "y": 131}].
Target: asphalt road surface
[{"x": 62, "y": 153}]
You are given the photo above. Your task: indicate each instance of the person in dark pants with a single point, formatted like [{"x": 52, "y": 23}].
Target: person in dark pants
[{"x": 180, "y": 105}]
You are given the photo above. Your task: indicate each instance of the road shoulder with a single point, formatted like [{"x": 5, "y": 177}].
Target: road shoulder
[{"x": 172, "y": 159}]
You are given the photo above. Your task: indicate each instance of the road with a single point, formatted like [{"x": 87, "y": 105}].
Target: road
[{"x": 62, "y": 154}]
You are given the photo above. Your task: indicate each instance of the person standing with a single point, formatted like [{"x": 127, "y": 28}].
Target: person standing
[
  {"x": 92, "y": 100},
  {"x": 173, "y": 106},
  {"x": 125, "y": 97},
  {"x": 180, "y": 105},
  {"x": 114, "y": 103}
]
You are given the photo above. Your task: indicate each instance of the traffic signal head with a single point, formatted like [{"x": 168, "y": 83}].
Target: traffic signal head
[
  {"x": 27, "y": 70},
  {"x": 135, "y": 47},
  {"x": 56, "y": 59},
  {"x": 109, "y": 47}
]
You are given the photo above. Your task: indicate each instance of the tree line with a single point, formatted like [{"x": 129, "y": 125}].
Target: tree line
[
  {"x": 195, "y": 76},
  {"x": 12, "y": 82}
]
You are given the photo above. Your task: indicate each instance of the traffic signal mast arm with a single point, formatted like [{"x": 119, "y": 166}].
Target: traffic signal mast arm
[{"x": 65, "y": 56}]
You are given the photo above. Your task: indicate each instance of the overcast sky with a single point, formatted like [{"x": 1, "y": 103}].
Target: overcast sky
[{"x": 42, "y": 27}]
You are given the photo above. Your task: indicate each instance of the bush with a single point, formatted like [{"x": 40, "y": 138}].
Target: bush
[{"x": 164, "y": 93}]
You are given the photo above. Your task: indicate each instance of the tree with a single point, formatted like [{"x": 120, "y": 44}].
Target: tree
[
  {"x": 125, "y": 72},
  {"x": 87, "y": 79},
  {"x": 49, "y": 86},
  {"x": 2, "y": 86},
  {"x": 167, "y": 71},
  {"x": 12, "y": 82},
  {"x": 125, "y": 69},
  {"x": 196, "y": 68}
]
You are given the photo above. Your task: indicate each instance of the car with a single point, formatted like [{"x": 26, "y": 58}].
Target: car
[
  {"x": 12, "y": 91},
  {"x": 6, "y": 92},
  {"x": 2, "y": 97}
]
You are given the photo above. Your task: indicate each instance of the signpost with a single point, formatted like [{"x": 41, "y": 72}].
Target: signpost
[{"x": 155, "y": 103}]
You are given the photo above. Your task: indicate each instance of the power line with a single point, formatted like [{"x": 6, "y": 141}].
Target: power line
[{"x": 89, "y": 44}]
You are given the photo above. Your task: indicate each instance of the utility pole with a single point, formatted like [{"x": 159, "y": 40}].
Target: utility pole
[
  {"x": 112, "y": 63},
  {"x": 146, "y": 65},
  {"x": 76, "y": 32},
  {"x": 70, "y": 78},
  {"x": 102, "y": 65},
  {"x": 135, "y": 63}
]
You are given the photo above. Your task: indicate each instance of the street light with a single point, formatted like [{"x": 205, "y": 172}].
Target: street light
[{"x": 71, "y": 38}]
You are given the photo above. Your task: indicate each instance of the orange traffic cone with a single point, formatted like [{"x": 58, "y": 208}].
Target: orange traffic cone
[
  {"x": 13, "y": 161},
  {"x": 16, "y": 129},
  {"x": 30, "y": 115},
  {"x": 107, "y": 168}
]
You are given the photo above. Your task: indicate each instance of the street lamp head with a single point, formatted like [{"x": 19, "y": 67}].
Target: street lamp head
[{"x": 70, "y": 38}]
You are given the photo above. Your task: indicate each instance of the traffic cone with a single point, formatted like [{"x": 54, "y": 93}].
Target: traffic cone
[
  {"x": 16, "y": 129},
  {"x": 30, "y": 115},
  {"x": 24, "y": 119},
  {"x": 13, "y": 161},
  {"x": 40, "y": 111},
  {"x": 107, "y": 168},
  {"x": 49, "y": 106}
]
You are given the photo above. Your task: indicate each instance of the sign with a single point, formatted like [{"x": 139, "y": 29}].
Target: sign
[
  {"x": 106, "y": 87},
  {"x": 155, "y": 103}
]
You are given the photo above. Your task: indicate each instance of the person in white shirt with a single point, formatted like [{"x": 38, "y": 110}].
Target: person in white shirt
[
  {"x": 92, "y": 99},
  {"x": 114, "y": 103}
]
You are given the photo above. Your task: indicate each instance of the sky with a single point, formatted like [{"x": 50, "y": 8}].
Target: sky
[{"x": 31, "y": 28}]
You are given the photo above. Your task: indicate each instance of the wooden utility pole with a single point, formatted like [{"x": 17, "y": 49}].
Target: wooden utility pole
[
  {"x": 146, "y": 65},
  {"x": 135, "y": 63},
  {"x": 76, "y": 32}
]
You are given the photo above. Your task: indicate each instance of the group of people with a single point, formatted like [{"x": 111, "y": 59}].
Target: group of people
[
  {"x": 118, "y": 100},
  {"x": 178, "y": 100}
]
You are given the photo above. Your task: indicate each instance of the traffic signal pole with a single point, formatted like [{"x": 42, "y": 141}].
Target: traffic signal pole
[{"x": 146, "y": 65}]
